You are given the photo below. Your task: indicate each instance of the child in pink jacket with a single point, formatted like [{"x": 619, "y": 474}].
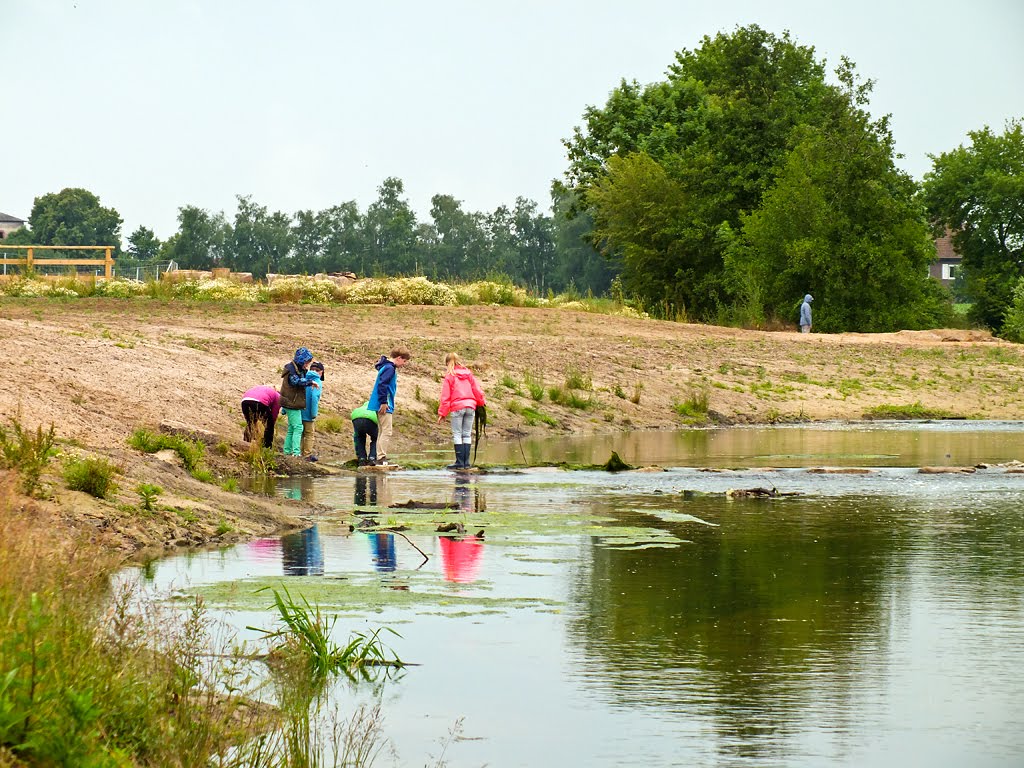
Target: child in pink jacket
[
  {"x": 261, "y": 405},
  {"x": 460, "y": 395}
]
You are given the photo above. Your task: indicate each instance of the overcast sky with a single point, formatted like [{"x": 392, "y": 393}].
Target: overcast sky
[{"x": 154, "y": 104}]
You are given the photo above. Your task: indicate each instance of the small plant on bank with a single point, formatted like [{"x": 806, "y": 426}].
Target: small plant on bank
[
  {"x": 229, "y": 484},
  {"x": 535, "y": 385},
  {"x": 556, "y": 394},
  {"x": 333, "y": 425},
  {"x": 203, "y": 475},
  {"x": 577, "y": 379},
  {"x": 530, "y": 415},
  {"x": 694, "y": 409},
  {"x": 572, "y": 400},
  {"x": 223, "y": 527},
  {"x": 913, "y": 411},
  {"x": 509, "y": 383},
  {"x": 94, "y": 476},
  {"x": 190, "y": 451},
  {"x": 27, "y": 452},
  {"x": 619, "y": 392},
  {"x": 147, "y": 495},
  {"x": 638, "y": 390}
]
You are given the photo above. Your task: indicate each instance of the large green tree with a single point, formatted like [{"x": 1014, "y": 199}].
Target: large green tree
[
  {"x": 330, "y": 240},
  {"x": 259, "y": 241},
  {"x": 842, "y": 222},
  {"x": 72, "y": 216},
  {"x": 977, "y": 192},
  {"x": 456, "y": 240},
  {"x": 389, "y": 229},
  {"x": 144, "y": 245},
  {"x": 673, "y": 171},
  {"x": 199, "y": 241}
]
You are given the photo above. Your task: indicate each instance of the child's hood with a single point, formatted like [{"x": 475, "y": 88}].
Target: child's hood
[
  {"x": 382, "y": 362},
  {"x": 462, "y": 373}
]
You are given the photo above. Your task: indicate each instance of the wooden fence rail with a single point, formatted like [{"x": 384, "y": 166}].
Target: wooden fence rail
[{"x": 30, "y": 259}]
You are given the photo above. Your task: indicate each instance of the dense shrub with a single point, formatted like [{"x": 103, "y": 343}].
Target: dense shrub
[{"x": 94, "y": 476}]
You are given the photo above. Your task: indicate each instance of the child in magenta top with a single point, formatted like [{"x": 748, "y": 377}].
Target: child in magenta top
[{"x": 261, "y": 405}]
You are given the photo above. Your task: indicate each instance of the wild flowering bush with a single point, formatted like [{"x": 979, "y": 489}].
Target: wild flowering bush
[
  {"x": 402, "y": 290},
  {"x": 219, "y": 290},
  {"x": 311, "y": 290},
  {"x": 120, "y": 289},
  {"x": 307, "y": 290},
  {"x": 24, "y": 288},
  {"x": 489, "y": 292}
]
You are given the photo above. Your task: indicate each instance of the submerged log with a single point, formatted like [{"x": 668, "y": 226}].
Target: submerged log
[
  {"x": 839, "y": 471},
  {"x": 759, "y": 493},
  {"x": 946, "y": 470},
  {"x": 451, "y": 528},
  {"x": 411, "y": 504}
]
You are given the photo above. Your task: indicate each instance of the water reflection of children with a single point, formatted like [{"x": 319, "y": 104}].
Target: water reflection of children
[
  {"x": 462, "y": 496},
  {"x": 382, "y": 552},
  {"x": 302, "y": 553},
  {"x": 461, "y": 558},
  {"x": 368, "y": 489}
]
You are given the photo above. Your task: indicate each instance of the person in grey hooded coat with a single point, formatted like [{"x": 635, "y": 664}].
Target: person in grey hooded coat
[{"x": 805, "y": 314}]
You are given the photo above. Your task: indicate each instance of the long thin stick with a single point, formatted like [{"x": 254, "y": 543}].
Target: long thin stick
[
  {"x": 425, "y": 556},
  {"x": 519, "y": 439}
]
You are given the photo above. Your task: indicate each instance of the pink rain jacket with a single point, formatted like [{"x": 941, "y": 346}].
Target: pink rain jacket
[
  {"x": 459, "y": 390},
  {"x": 266, "y": 395}
]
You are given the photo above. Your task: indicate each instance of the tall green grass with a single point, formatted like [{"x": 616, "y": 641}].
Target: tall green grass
[
  {"x": 306, "y": 634},
  {"x": 26, "y": 452},
  {"x": 191, "y": 452},
  {"x": 84, "y": 682}
]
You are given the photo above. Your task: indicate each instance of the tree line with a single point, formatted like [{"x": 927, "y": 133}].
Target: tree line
[
  {"x": 540, "y": 251},
  {"x": 749, "y": 176}
]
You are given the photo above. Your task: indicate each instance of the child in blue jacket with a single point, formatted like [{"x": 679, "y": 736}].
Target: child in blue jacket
[{"x": 312, "y": 409}]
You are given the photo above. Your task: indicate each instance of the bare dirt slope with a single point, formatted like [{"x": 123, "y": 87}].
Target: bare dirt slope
[{"x": 99, "y": 369}]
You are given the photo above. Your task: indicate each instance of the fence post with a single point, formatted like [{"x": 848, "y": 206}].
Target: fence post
[
  {"x": 28, "y": 262},
  {"x": 109, "y": 264}
]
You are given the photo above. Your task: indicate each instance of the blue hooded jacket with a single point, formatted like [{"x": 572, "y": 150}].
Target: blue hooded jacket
[
  {"x": 386, "y": 385},
  {"x": 312, "y": 409},
  {"x": 805, "y": 310}
]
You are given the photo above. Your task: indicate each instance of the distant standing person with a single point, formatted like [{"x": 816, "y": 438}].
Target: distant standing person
[
  {"x": 382, "y": 398},
  {"x": 805, "y": 314},
  {"x": 312, "y": 409},
  {"x": 364, "y": 428},
  {"x": 460, "y": 396},
  {"x": 261, "y": 405},
  {"x": 293, "y": 398}
]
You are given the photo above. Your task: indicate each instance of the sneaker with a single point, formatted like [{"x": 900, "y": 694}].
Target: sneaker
[
  {"x": 361, "y": 462},
  {"x": 383, "y": 463},
  {"x": 312, "y": 458}
]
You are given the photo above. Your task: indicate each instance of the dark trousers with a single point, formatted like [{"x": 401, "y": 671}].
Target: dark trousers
[
  {"x": 254, "y": 412},
  {"x": 363, "y": 429}
]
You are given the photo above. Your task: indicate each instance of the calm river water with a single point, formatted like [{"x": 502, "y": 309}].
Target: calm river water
[{"x": 652, "y": 619}]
